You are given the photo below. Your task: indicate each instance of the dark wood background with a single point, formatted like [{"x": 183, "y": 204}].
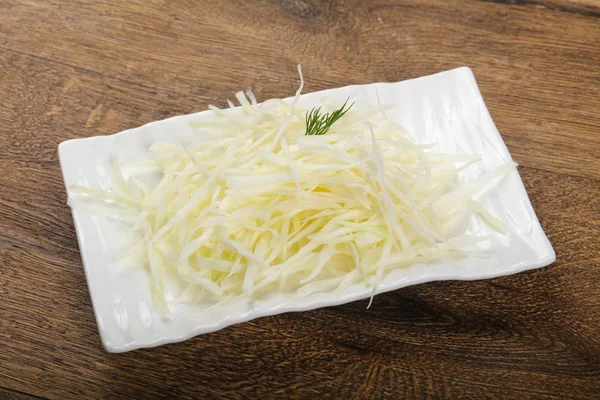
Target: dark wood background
[{"x": 92, "y": 67}]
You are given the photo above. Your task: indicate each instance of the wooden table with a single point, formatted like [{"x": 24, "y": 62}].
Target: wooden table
[{"x": 94, "y": 67}]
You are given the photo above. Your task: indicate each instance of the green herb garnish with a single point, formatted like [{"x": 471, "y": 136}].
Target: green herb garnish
[{"x": 319, "y": 124}]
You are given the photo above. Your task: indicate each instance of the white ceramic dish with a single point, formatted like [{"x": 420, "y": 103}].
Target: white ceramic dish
[{"x": 446, "y": 108}]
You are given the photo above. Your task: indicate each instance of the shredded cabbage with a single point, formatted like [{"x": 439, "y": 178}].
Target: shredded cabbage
[{"x": 252, "y": 205}]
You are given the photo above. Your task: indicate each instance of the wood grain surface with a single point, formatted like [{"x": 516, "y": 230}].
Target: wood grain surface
[{"x": 92, "y": 67}]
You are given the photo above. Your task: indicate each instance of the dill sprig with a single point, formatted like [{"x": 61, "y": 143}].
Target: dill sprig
[{"x": 319, "y": 124}]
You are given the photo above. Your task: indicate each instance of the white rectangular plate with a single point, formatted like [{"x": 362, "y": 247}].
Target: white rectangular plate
[{"x": 446, "y": 108}]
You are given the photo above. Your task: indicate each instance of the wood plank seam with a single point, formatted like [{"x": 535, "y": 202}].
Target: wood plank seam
[
  {"x": 589, "y": 11},
  {"x": 19, "y": 393},
  {"x": 86, "y": 70}
]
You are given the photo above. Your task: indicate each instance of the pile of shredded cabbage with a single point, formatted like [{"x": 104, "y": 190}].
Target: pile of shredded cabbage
[{"x": 252, "y": 205}]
